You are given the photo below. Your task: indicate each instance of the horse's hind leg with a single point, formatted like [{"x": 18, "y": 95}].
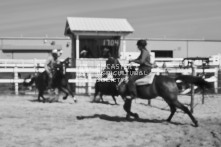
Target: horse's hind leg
[
  {"x": 114, "y": 99},
  {"x": 172, "y": 110},
  {"x": 95, "y": 94},
  {"x": 186, "y": 110},
  {"x": 101, "y": 97},
  {"x": 127, "y": 108}
]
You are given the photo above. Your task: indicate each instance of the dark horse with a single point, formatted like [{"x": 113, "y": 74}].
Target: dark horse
[
  {"x": 60, "y": 81},
  {"x": 105, "y": 86},
  {"x": 163, "y": 86}
]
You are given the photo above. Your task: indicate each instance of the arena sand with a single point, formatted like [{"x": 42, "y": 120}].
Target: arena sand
[{"x": 24, "y": 122}]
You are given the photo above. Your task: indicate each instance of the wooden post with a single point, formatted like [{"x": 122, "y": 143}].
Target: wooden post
[
  {"x": 89, "y": 83},
  {"x": 77, "y": 47},
  {"x": 86, "y": 84},
  {"x": 203, "y": 93},
  {"x": 124, "y": 47},
  {"x": 35, "y": 62},
  {"x": 16, "y": 79},
  {"x": 192, "y": 89},
  {"x": 216, "y": 82}
]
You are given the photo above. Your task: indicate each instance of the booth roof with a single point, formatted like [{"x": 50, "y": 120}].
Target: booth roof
[
  {"x": 81, "y": 24},
  {"x": 29, "y": 47}
]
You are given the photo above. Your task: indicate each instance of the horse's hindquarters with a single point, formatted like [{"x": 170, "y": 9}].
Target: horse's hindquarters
[{"x": 146, "y": 92}]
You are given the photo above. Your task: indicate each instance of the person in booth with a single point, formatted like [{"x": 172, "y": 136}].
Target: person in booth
[
  {"x": 50, "y": 65},
  {"x": 106, "y": 53},
  {"x": 144, "y": 69},
  {"x": 85, "y": 53}
]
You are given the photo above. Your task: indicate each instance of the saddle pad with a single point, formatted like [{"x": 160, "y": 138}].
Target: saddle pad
[{"x": 148, "y": 79}]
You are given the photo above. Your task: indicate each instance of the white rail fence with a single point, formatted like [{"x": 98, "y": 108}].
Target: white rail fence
[
  {"x": 24, "y": 63},
  {"x": 160, "y": 62},
  {"x": 89, "y": 71}
]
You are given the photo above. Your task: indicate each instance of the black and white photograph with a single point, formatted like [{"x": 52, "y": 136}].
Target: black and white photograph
[{"x": 110, "y": 73}]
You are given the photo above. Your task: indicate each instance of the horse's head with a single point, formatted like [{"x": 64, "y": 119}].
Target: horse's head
[
  {"x": 66, "y": 62},
  {"x": 131, "y": 69},
  {"x": 60, "y": 68},
  {"x": 114, "y": 66}
]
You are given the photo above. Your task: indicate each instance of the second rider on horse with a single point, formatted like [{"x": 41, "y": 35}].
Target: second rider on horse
[
  {"x": 50, "y": 66},
  {"x": 144, "y": 69}
]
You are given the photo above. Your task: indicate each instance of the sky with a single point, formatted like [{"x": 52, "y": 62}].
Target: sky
[{"x": 182, "y": 19}]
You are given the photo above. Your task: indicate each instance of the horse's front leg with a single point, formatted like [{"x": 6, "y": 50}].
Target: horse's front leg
[
  {"x": 65, "y": 92},
  {"x": 41, "y": 94},
  {"x": 71, "y": 93},
  {"x": 127, "y": 108}
]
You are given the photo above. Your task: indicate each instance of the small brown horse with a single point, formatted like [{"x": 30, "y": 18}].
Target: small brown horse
[{"x": 163, "y": 86}]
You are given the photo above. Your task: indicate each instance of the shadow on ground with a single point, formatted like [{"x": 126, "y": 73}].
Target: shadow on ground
[
  {"x": 103, "y": 102},
  {"x": 124, "y": 119}
]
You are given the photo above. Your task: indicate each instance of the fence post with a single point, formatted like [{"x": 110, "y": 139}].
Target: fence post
[
  {"x": 203, "y": 92},
  {"x": 89, "y": 84},
  {"x": 216, "y": 74},
  {"x": 5, "y": 63},
  {"x": 35, "y": 62},
  {"x": 16, "y": 79},
  {"x": 192, "y": 88}
]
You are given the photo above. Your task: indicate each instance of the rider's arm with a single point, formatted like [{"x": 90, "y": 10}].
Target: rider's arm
[
  {"x": 47, "y": 63},
  {"x": 142, "y": 57}
]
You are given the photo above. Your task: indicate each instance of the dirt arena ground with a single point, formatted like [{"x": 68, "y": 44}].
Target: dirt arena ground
[{"x": 24, "y": 122}]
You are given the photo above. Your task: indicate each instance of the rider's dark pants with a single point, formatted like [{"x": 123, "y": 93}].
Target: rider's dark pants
[
  {"x": 135, "y": 76},
  {"x": 49, "y": 83},
  {"x": 50, "y": 79}
]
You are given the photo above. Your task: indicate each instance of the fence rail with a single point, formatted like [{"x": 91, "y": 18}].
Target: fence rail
[
  {"x": 160, "y": 62},
  {"x": 89, "y": 71}
]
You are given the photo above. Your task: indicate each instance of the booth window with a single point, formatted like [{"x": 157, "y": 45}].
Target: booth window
[
  {"x": 163, "y": 53},
  {"x": 99, "y": 47}
]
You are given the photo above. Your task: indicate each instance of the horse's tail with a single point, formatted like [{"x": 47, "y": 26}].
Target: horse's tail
[
  {"x": 25, "y": 83},
  {"x": 198, "y": 81}
]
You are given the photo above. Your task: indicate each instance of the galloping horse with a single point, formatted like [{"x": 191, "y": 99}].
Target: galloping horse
[
  {"x": 60, "y": 81},
  {"x": 163, "y": 86}
]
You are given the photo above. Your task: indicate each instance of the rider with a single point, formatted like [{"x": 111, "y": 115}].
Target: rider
[
  {"x": 50, "y": 65},
  {"x": 144, "y": 68}
]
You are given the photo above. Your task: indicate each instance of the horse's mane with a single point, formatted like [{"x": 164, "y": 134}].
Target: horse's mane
[{"x": 115, "y": 67}]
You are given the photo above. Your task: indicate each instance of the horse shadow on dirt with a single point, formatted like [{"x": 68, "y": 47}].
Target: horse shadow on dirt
[
  {"x": 104, "y": 102},
  {"x": 124, "y": 119},
  {"x": 164, "y": 109},
  {"x": 47, "y": 100}
]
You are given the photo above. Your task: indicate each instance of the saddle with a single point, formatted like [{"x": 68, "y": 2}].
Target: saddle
[{"x": 148, "y": 79}]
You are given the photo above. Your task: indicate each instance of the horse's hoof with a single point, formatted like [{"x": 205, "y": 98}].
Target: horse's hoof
[
  {"x": 136, "y": 116},
  {"x": 75, "y": 100},
  {"x": 127, "y": 117},
  {"x": 196, "y": 124}
]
